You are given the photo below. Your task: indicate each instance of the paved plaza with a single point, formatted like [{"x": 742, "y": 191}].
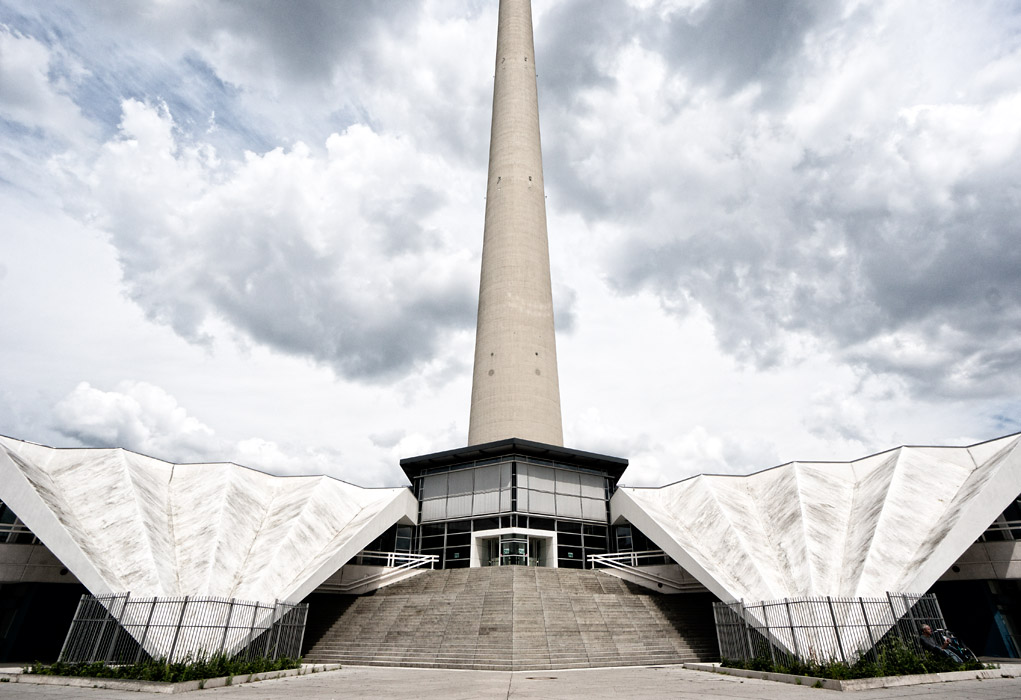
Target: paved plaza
[{"x": 589, "y": 684}]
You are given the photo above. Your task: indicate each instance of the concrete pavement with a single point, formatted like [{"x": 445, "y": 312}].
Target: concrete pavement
[{"x": 355, "y": 682}]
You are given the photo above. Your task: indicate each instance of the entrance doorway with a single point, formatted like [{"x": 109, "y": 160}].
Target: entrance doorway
[{"x": 515, "y": 549}]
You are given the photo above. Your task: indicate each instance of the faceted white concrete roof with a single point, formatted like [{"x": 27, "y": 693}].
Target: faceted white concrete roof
[
  {"x": 124, "y": 522},
  {"x": 895, "y": 521}
]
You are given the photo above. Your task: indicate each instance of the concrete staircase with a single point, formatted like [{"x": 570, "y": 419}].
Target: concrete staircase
[{"x": 511, "y": 618}]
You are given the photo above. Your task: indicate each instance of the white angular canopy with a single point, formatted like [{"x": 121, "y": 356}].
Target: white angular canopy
[
  {"x": 124, "y": 522},
  {"x": 895, "y": 521}
]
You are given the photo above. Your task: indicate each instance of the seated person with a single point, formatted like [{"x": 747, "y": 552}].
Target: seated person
[{"x": 929, "y": 642}]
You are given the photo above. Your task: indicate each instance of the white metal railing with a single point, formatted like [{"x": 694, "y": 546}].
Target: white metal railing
[
  {"x": 9, "y": 532},
  {"x": 396, "y": 563},
  {"x": 1011, "y": 529},
  {"x": 635, "y": 562}
]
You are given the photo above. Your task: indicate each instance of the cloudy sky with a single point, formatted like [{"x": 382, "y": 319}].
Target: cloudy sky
[{"x": 251, "y": 231}]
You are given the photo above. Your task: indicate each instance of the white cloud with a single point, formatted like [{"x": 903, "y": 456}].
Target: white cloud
[
  {"x": 349, "y": 257},
  {"x": 29, "y": 96},
  {"x": 138, "y": 416},
  {"x": 144, "y": 418}
]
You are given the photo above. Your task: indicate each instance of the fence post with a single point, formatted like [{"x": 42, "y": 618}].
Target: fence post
[
  {"x": 716, "y": 621},
  {"x": 74, "y": 622},
  {"x": 226, "y": 625},
  {"x": 790, "y": 621},
  {"x": 893, "y": 611},
  {"x": 908, "y": 612},
  {"x": 279, "y": 625},
  {"x": 250, "y": 639},
  {"x": 836, "y": 630},
  {"x": 145, "y": 632},
  {"x": 747, "y": 633},
  {"x": 177, "y": 631},
  {"x": 868, "y": 629},
  {"x": 769, "y": 639},
  {"x": 939, "y": 611},
  {"x": 269, "y": 630},
  {"x": 102, "y": 629},
  {"x": 304, "y": 621},
  {"x": 116, "y": 628}
]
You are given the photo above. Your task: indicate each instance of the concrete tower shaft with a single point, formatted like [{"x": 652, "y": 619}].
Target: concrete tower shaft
[{"x": 515, "y": 386}]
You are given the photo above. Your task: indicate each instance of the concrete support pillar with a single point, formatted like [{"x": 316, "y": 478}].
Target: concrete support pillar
[{"x": 515, "y": 387}]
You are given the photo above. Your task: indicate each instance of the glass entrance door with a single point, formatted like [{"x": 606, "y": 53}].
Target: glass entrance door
[
  {"x": 513, "y": 550},
  {"x": 536, "y": 551}
]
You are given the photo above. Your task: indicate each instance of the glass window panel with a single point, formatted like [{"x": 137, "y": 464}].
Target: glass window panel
[
  {"x": 592, "y": 486},
  {"x": 458, "y": 553},
  {"x": 568, "y": 506},
  {"x": 486, "y": 524},
  {"x": 487, "y": 502},
  {"x": 432, "y": 542},
  {"x": 505, "y": 500},
  {"x": 461, "y": 538},
  {"x": 567, "y": 482},
  {"x": 568, "y": 552},
  {"x": 487, "y": 478},
  {"x": 434, "y": 486},
  {"x": 460, "y": 526},
  {"x": 541, "y": 478},
  {"x": 522, "y": 475},
  {"x": 505, "y": 475},
  {"x": 435, "y": 509},
  {"x": 566, "y": 538},
  {"x": 459, "y": 506},
  {"x": 540, "y": 502},
  {"x": 428, "y": 530},
  {"x": 542, "y": 524},
  {"x": 592, "y": 509},
  {"x": 460, "y": 482}
]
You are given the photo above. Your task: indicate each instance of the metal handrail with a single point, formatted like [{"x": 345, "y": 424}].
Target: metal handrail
[
  {"x": 629, "y": 562},
  {"x": 397, "y": 563},
  {"x": 14, "y": 527},
  {"x": 1005, "y": 525}
]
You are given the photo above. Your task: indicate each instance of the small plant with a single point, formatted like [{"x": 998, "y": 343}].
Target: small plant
[
  {"x": 169, "y": 672},
  {"x": 893, "y": 658}
]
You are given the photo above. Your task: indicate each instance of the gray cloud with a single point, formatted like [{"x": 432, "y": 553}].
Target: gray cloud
[
  {"x": 930, "y": 293},
  {"x": 573, "y": 46},
  {"x": 732, "y": 43},
  {"x": 860, "y": 197},
  {"x": 302, "y": 253}
]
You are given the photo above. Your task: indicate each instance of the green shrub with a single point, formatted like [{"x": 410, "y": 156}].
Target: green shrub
[
  {"x": 160, "y": 670},
  {"x": 893, "y": 658}
]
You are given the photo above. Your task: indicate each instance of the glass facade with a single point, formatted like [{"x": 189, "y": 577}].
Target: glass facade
[{"x": 513, "y": 492}]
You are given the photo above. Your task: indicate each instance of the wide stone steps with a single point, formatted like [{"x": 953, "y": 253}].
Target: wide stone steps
[{"x": 511, "y": 618}]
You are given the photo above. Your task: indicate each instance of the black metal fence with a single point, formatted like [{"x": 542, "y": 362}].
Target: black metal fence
[
  {"x": 822, "y": 629},
  {"x": 119, "y": 629}
]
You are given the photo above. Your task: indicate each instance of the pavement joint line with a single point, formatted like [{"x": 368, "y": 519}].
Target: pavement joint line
[{"x": 856, "y": 684}]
